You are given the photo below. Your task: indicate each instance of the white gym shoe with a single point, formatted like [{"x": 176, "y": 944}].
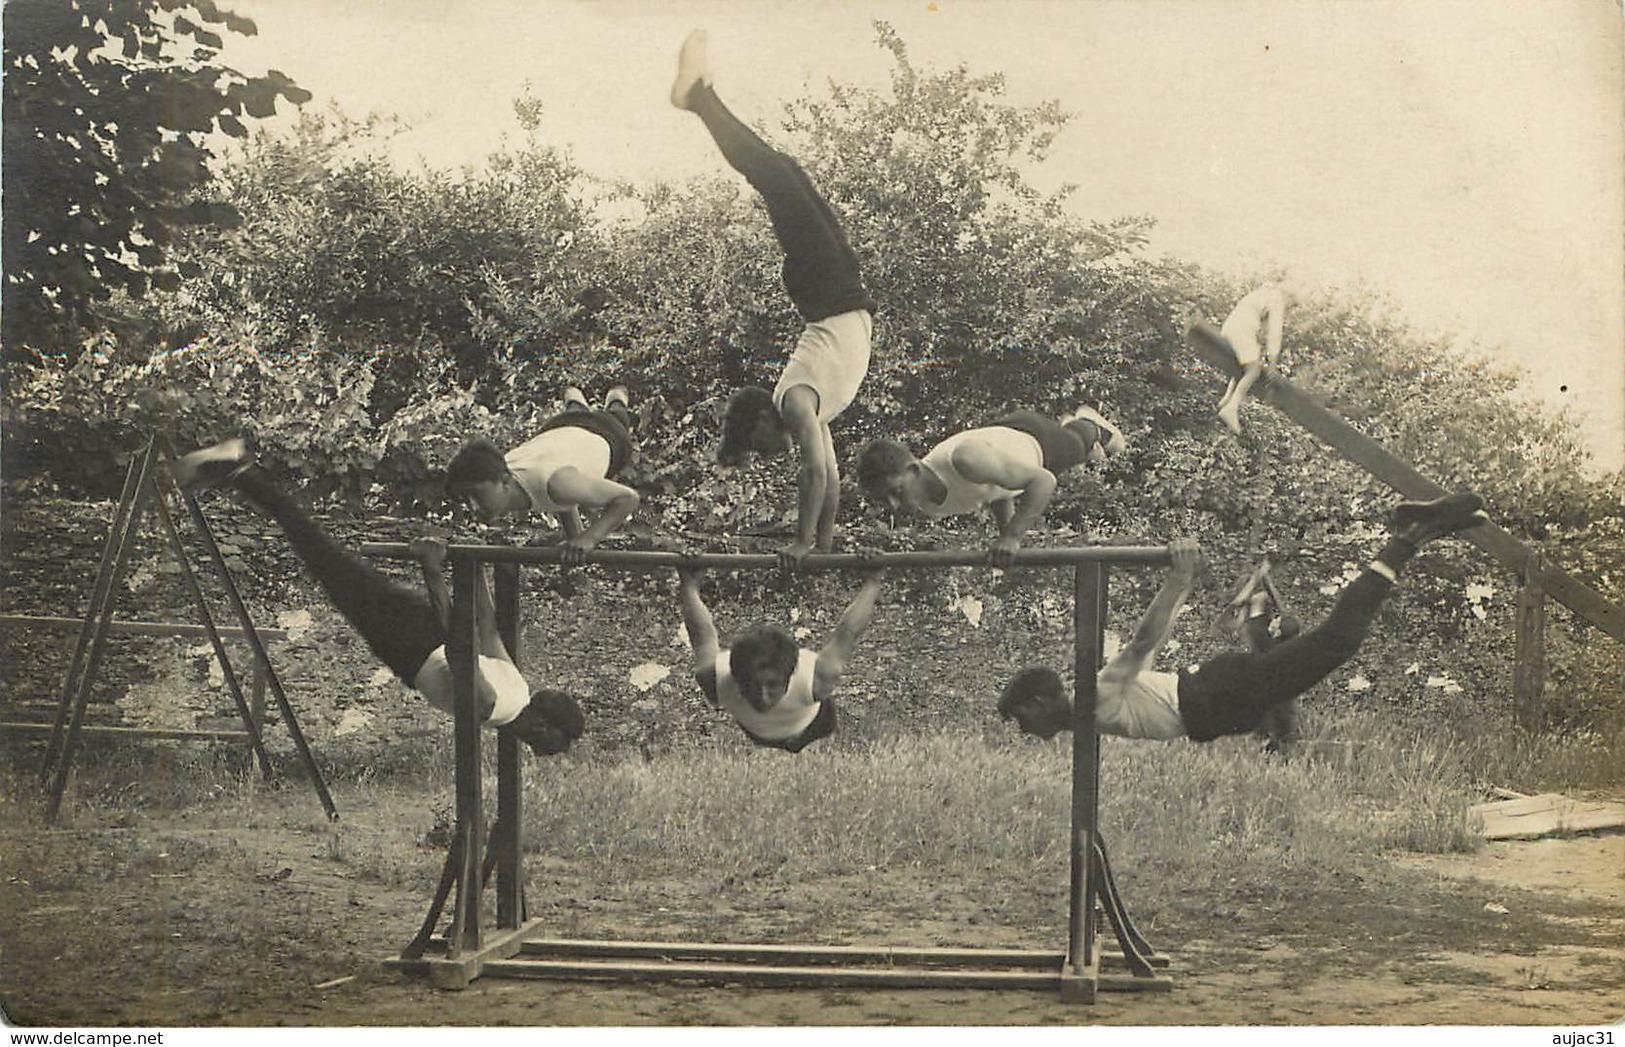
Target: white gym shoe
[
  {"x": 211, "y": 465},
  {"x": 693, "y": 68}
]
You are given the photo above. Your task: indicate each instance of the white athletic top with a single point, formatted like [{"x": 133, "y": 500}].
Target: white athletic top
[
  {"x": 1146, "y": 706},
  {"x": 499, "y": 679},
  {"x": 831, "y": 356},
  {"x": 786, "y": 719},
  {"x": 964, "y": 496},
  {"x": 534, "y": 462},
  {"x": 1246, "y": 324}
]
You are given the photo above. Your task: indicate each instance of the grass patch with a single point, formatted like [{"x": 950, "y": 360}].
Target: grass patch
[
  {"x": 1208, "y": 813},
  {"x": 936, "y": 798},
  {"x": 959, "y": 801}
]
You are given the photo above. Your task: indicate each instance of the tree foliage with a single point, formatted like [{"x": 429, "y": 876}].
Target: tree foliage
[{"x": 108, "y": 106}]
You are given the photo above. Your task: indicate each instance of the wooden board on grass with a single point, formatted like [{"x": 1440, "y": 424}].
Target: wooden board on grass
[{"x": 1548, "y": 814}]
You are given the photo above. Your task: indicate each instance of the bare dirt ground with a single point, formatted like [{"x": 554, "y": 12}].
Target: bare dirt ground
[{"x": 183, "y": 923}]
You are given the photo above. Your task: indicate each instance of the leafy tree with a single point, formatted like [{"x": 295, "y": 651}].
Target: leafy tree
[
  {"x": 337, "y": 243},
  {"x": 107, "y": 109},
  {"x": 977, "y": 272}
]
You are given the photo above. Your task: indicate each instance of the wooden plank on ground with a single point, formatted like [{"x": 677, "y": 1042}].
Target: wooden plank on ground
[
  {"x": 846, "y": 955},
  {"x": 576, "y": 948},
  {"x": 1547, "y": 814},
  {"x": 807, "y": 976}
]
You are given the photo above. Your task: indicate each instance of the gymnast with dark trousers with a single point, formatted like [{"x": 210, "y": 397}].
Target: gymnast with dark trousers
[
  {"x": 405, "y": 628},
  {"x": 1231, "y": 693},
  {"x": 821, "y": 276}
]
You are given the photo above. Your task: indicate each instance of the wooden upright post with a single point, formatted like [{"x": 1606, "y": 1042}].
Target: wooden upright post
[
  {"x": 146, "y": 483},
  {"x": 117, "y": 536},
  {"x": 510, "y": 877},
  {"x": 70, "y": 714},
  {"x": 1529, "y": 671},
  {"x": 461, "y": 647},
  {"x": 1081, "y": 975}
]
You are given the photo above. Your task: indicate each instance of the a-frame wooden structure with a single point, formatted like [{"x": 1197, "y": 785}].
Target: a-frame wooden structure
[{"x": 147, "y": 483}]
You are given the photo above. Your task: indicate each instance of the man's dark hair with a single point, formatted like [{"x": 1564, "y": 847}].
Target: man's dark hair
[
  {"x": 551, "y": 717},
  {"x": 879, "y": 461},
  {"x": 761, "y": 643},
  {"x": 745, "y": 407},
  {"x": 478, "y": 461},
  {"x": 561, "y": 710},
  {"x": 1036, "y": 687}
]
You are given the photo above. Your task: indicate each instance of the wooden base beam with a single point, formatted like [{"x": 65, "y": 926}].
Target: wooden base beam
[
  {"x": 775, "y": 966},
  {"x": 448, "y": 972},
  {"x": 176, "y": 734},
  {"x": 514, "y": 955},
  {"x": 901, "y": 955}
]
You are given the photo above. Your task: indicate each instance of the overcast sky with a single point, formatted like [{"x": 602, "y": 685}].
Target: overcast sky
[{"x": 1464, "y": 157}]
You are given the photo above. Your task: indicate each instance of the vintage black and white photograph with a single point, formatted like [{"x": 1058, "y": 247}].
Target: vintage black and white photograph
[{"x": 855, "y": 513}]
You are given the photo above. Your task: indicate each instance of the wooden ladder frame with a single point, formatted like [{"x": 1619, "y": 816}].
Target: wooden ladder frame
[{"x": 147, "y": 482}]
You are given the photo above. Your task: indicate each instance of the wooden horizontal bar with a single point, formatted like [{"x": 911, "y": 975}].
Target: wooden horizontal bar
[
  {"x": 171, "y": 734},
  {"x": 137, "y": 628},
  {"x": 638, "y": 559}
]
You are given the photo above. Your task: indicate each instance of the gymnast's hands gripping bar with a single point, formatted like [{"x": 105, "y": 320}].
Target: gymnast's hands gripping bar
[{"x": 637, "y": 559}]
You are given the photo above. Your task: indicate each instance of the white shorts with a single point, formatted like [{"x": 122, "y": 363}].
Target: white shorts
[
  {"x": 1243, "y": 338},
  {"x": 831, "y": 356},
  {"x": 1143, "y": 706},
  {"x": 498, "y": 683}
]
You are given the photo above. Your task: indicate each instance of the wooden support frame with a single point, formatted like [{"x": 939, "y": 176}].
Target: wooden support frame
[
  {"x": 147, "y": 484},
  {"x": 465, "y": 951},
  {"x": 1369, "y": 455},
  {"x": 1529, "y": 666}
]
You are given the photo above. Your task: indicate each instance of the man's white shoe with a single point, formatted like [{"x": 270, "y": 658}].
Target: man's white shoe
[
  {"x": 693, "y": 68},
  {"x": 211, "y": 465}
]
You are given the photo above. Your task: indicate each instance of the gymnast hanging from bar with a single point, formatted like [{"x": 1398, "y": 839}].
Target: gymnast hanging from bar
[
  {"x": 779, "y": 693},
  {"x": 405, "y": 628},
  {"x": 1231, "y": 693}
]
